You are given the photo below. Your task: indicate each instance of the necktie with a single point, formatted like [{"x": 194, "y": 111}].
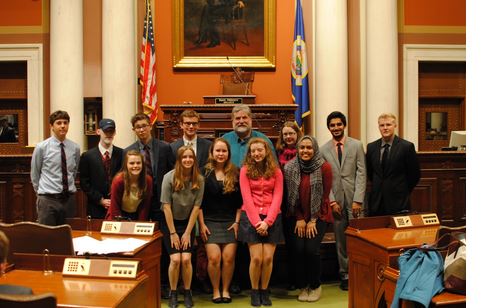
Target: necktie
[
  {"x": 148, "y": 161},
  {"x": 339, "y": 152},
  {"x": 385, "y": 157},
  {"x": 65, "y": 185},
  {"x": 107, "y": 165}
]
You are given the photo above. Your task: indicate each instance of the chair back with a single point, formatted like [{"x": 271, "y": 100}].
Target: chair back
[
  {"x": 30, "y": 237},
  {"x": 46, "y": 300}
]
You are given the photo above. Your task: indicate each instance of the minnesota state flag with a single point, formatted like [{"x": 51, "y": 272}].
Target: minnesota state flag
[{"x": 299, "y": 69}]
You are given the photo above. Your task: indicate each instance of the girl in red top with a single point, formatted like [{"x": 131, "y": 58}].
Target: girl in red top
[
  {"x": 131, "y": 190},
  {"x": 308, "y": 179},
  {"x": 261, "y": 185}
]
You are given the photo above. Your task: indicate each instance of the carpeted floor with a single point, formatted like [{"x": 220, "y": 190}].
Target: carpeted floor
[{"x": 332, "y": 297}]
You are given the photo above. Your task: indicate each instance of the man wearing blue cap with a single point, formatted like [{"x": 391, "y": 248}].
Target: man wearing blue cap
[{"x": 97, "y": 169}]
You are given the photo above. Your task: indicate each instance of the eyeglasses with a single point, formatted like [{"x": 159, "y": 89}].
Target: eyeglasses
[
  {"x": 191, "y": 123},
  {"x": 141, "y": 127}
]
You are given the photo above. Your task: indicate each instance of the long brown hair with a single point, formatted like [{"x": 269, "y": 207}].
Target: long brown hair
[
  {"x": 179, "y": 181},
  {"x": 231, "y": 171},
  {"x": 268, "y": 166},
  {"x": 280, "y": 145},
  {"x": 142, "y": 183}
]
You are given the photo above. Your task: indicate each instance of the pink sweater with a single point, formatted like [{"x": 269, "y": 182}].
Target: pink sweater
[{"x": 261, "y": 196}]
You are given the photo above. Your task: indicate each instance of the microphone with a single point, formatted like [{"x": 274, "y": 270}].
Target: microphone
[{"x": 236, "y": 70}]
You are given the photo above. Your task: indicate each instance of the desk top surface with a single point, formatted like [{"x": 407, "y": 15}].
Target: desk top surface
[
  {"x": 395, "y": 239},
  {"x": 74, "y": 292}
]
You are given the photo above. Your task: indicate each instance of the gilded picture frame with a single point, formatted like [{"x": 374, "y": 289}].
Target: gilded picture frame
[
  {"x": 230, "y": 33},
  {"x": 16, "y": 122}
]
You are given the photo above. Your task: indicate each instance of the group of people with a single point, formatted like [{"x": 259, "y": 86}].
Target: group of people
[{"x": 237, "y": 189}]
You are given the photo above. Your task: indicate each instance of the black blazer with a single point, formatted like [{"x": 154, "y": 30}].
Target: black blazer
[
  {"x": 202, "y": 150},
  {"x": 390, "y": 192},
  {"x": 162, "y": 157},
  {"x": 93, "y": 180}
]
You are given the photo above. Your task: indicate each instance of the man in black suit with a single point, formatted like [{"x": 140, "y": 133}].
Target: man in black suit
[
  {"x": 98, "y": 166},
  {"x": 392, "y": 168},
  {"x": 158, "y": 158},
  {"x": 189, "y": 122}
]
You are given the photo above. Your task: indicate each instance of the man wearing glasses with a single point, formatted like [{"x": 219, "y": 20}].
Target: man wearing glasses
[
  {"x": 158, "y": 157},
  {"x": 189, "y": 122}
]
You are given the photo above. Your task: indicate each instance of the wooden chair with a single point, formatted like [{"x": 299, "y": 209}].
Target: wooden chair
[
  {"x": 46, "y": 300},
  {"x": 30, "y": 237}
]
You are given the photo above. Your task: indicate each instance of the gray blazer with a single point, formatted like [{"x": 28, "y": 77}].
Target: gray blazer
[{"x": 349, "y": 179}]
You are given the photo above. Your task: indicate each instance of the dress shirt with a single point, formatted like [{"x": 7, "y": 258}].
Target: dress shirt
[
  {"x": 192, "y": 142},
  {"x": 342, "y": 141},
  {"x": 151, "y": 153},
  {"x": 46, "y": 171},
  {"x": 382, "y": 148},
  {"x": 103, "y": 150}
]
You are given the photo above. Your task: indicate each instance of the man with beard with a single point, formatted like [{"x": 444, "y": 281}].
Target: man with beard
[
  {"x": 347, "y": 158},
  {"x": 242, "y": 132},
  {"x": 98, "y": 166}
]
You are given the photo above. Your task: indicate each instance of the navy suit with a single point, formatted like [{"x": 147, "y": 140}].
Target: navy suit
[
  {"x": 93, "y": 179},
  {"x": 391, "y": 189},
  {"x": 202, "y": 150},
  {"x": 161, "y": 164}
]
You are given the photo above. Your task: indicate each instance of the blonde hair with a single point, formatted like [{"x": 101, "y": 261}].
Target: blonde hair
[
  {"x": 268, "y": 166},
  {"x": 230, "y": 170},
  {"x": 180, "y": 180},
  {"x": 387, "y": 116}
]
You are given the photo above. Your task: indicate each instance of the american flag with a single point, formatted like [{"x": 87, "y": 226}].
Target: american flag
[{"x": 148, "y": 68}]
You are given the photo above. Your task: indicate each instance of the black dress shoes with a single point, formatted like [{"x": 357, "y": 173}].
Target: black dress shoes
[
  {"x": 226, "y": 300},
  {"x": 217, "y": 300},
  {"x": 344, "y": 284},
  {"x": 235, "y": 288},
  {"x": 173, "y": 299}
]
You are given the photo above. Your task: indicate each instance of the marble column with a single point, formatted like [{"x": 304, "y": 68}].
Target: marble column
[
  {"x": 119, "y": 66},
  {"x": 381, "y": 63},
  {"x": 66, "y": 64},
  {"x": 330, "y": 63}
]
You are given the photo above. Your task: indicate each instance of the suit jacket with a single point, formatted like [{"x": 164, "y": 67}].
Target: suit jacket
[
  {"x": 391, "y": 191},
  {"x": 202, "y": 150},
  {"x": 93, "y": 178},
  {"x": 162, "y": 157},
  {"x": 349, "y": 179}
]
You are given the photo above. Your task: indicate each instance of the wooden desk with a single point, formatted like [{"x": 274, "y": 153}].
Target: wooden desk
[
  {"x": 150, "y": 254},
  {"x": 83, "y": 292},
  {"x": 371, "y": 251}
]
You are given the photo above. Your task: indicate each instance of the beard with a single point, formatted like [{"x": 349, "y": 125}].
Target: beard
[{"x": 242, "y": 130}]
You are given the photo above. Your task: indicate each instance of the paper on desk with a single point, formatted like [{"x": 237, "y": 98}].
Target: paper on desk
[{"x": 87, "y": 244}]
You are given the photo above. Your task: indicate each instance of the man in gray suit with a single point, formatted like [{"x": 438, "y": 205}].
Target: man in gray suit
[{"x": 347, "y": 158}]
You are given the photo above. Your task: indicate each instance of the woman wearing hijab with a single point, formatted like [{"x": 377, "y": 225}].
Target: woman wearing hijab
[{"x": 308, "y": 179}]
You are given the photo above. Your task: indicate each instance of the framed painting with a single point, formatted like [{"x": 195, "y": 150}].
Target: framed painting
[
  {"x": 224, "y": 33},
  {"x": 12, "y": 131}
]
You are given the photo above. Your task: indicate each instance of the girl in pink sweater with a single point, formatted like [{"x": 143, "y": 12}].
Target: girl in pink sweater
[{"x": 261, "y": 184}]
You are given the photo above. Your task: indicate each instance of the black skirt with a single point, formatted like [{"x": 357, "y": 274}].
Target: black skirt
[
  {"x": 248, "y": 234},
  {"x": 180, "y": 227},
  {"x": 219, "y": 233}
]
